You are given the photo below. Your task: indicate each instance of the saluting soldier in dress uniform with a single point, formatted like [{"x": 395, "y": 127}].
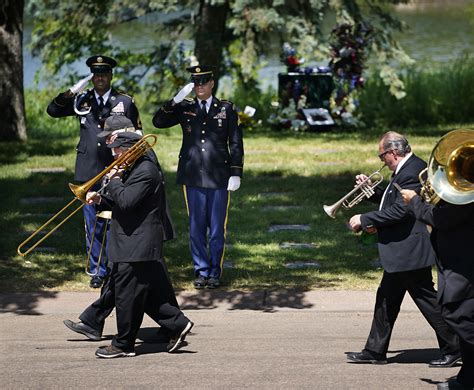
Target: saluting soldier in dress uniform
[
  {"x": 210, "y": 165},
  {"x": 92, "y": 107}
]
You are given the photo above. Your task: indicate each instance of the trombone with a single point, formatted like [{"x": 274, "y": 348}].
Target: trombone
[
  {"x": 361, "y": 191},
  {"x": 125, "y": 161}
]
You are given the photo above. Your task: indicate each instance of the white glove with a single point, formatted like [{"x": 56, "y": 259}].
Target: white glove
[
  {"x": 234, "y": 183},
  {"x": 81, "y": 84},
  {"x": 185, "y": 91}
]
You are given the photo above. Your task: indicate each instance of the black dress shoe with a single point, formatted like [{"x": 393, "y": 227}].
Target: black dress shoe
[
  {"x": 367, "y": 357},
  {"x": 200, "y": 282},
  {"x": 96, "y": 282},
  {"x": 86, "y": 330},
  {"x": 213, "y": 283},
  {"x": 446, "y": 361},
  {"x": 453, "y": 384}
]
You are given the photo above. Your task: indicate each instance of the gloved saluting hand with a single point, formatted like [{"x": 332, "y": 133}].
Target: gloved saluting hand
[
  {"x": 234, "y": 183},
  {"x": 81, "y": 84},
  {"x": 185, "y": 91}
]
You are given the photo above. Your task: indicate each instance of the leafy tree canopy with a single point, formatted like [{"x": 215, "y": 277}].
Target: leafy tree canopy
[{"x": 247, "y": 31}]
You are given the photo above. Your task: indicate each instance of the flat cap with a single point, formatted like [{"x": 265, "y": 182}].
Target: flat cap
[
  {"x": 118, "y": 124},
  {"x": 125, "y": 139}
]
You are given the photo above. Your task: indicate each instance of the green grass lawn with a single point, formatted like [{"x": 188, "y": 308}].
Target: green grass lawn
[{"x": 306, "y": 170}]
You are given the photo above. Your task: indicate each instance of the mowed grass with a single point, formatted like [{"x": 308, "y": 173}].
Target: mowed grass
[{"x": 303, "y": 170}]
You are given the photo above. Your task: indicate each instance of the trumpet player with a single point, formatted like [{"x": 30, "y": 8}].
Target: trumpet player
[
  {"x": 406, "y": 256},
  {"x": 92, "y": 107}
]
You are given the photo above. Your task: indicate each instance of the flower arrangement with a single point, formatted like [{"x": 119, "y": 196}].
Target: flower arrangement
[
  {"x": 290, "y": 59},
  {"x": 349, "y": 48}
]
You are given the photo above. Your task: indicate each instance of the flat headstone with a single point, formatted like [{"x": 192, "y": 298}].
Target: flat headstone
[
  {"x": 297, "y": 245},
  {"x": 37, "y": 215},
  {"x": 278, "y": 228},
  {"x": 271, "y": 194},
  {"x": 42, "y": 249},
  {"x": 41, "y": 200},
  {"x": 257, "y": 152},
  {"x": 329, "y": 163},
  {"x": 228, "y": 264},
  {"x": 302, "y": 264},
  {"x": 281, "y": 208},
  {"x": 377, "y": 263},
  {"x": 46, "y": 170},
  {"x": 42, "y": 233},
  {"x": 323, "y": 151}
]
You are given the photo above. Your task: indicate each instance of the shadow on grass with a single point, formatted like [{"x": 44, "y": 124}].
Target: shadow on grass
[{"x": 259, "y": 263}]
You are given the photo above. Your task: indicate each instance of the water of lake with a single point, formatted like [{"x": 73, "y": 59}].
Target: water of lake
[{"x": 439, "y": 31}]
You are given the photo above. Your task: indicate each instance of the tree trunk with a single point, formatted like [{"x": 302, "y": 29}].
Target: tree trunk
[
  {"x": 12, "y": 103},
  {"x": 210, "y": 32}
]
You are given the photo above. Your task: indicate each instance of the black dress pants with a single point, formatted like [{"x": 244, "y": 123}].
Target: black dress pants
[
  {"x": 460, "y": 316},
  {"x": 134, "y": 286},
  {"x": 96, "y": 314},
  {"x": 390, "y": 294}
]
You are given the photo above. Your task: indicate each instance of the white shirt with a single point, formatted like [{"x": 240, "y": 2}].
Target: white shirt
[
  {"x": 208, "y": 104},
  {"x": 105, "y": 96},
  {"x": 399, "y": 166}
]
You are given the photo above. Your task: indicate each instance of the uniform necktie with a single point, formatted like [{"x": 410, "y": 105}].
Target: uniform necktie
[
  {"x": 101, "y": 103},
  {"x": 203, "y": 102}
]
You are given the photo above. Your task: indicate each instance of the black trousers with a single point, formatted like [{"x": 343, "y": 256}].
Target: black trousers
[
  {"x": 96, "y": 314},
  {"x": 460, "y": 316},
  {"x": 135, "y": 283},
  {"x": 392, "y": 289}
]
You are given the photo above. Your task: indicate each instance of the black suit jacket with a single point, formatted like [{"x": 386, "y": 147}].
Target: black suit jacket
[
  {"x": 92, "y": 155},
  {"x": 453, "y": 240},
  {"x": 212, "y": 148},
  {"x": 403, "y": 242},
  {"x": 138, "y": 210}
]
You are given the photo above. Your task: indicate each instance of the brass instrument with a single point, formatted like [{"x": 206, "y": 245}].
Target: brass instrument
[
  {"x": 361, "y": 191},
  {"x": 125, "y": 161},
  {"x": 450, "y": 171}
]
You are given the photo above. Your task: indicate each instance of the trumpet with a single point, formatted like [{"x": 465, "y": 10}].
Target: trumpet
[
  {"x": 361, "y": 191},
  {"x": 125, "y": 161}
]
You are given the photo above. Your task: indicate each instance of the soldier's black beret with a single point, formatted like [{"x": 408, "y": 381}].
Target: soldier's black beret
[
  {"x": 101, "y": 64},
  {"x": 201, "y": 74}
]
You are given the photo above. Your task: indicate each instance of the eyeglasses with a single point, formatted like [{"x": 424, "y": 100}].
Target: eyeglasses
[{"x": 382, "y": 155}]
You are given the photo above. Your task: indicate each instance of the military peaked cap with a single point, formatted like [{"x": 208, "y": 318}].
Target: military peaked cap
[
  {"x": 101, "y": 64},
  {"x": 201, "y": 74}
]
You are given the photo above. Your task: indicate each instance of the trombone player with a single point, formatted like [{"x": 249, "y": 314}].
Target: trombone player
[
  {"x": 452, "y": 238},
  {"x": 406, "y": 256}
]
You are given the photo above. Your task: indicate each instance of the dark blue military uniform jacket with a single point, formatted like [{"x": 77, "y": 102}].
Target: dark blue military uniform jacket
[
  {"x": 92, "y": 155},
  {"x": 212, "y": 148}
]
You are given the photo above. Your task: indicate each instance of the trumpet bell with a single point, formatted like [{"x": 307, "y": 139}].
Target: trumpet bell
[{"x": 451, "y": 167}]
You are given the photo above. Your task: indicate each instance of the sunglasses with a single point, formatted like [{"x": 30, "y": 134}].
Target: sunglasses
[{"x": 382, "y": 155}]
